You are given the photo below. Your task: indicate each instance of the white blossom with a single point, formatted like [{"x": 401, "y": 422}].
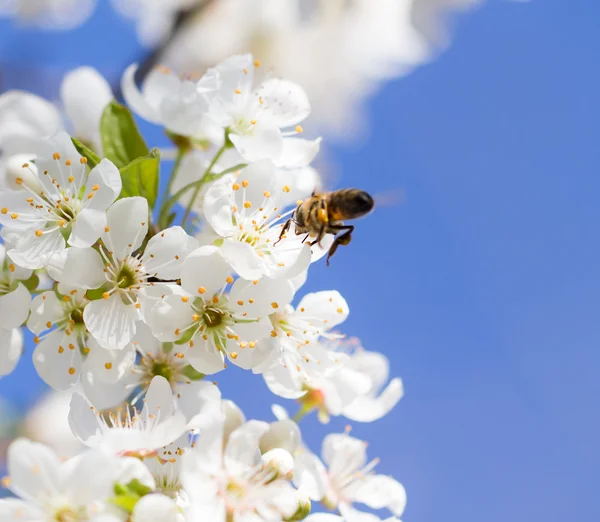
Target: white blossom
[
  {"x": 14, "y": 296},
  {"x": 66, "y": 204},
  {"x": 11, "y": 348},
  {"x": 344, "y": 477},
  {"x": 49, "y": 14}
]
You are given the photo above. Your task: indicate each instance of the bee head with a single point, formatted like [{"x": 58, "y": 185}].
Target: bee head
[{"x": 363, "y": 203}]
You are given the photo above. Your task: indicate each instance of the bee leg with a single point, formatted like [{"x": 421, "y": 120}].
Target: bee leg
[
  {"x": 306, "y": 237},
  {"x": 285, "y": 228},
  {"x": 342, "y": 239}
]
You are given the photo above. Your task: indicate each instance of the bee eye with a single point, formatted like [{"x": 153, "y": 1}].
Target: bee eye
[{"x": 364, "y": 202}]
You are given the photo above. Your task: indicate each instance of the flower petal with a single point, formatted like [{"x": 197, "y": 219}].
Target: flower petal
[
  {"x": 204, "y": 271},
  {"x": 156, "y": 508},
  {"x": 205, "y": 357},
  {"x": 285, "y": 102},
  {"x": 58, "y": 360},
  {"x": 380, "y": 491},
  {"x": 165, "y": 252},
  {"x": 107, "y": 178},
  {"x": 243, "y": 259},
  {"x": 85, "y": 93},
  {"x": 265, "y": 142},
  {"x": 78, "y": 267},
  {"x": 128, "y": 225},
  {"x": 11, "y": 348},
  {"x": 297, "y": 153},
  {"x": 262, "y": 298},
  {"x": 34, "y": 471},
  {"x": 369, "y": 409},
  {"x": 217, "y": 207},
  {"x": 91, "y": 479},
  {"x": 110, "y": 321},
  {"x": 15, "y": 509},
  {"x": 83, "y": 421},
  {"x": 33, "y": 251},
  {"x": 324, "y": 309},
  {"x": 343, "y": 454},
  {"x": 14, "y": 307},
  {"x": 109, "y": 366},
  {"x": 310, "y": 475},
  {"x": 135, "y": 99},
  {"x": 104, "y": 395},
  {"x": 45, "y": 308},
  {"x": 88, "y": 227}
]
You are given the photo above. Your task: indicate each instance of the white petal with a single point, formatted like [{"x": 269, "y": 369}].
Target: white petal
[
  {"x": 14, "y": 307},
  {"x": 267, "y": 296},
  {"x": 380, "y": 491},
  {"x": 168, "y": 315},
  {"x": 45, "y": 308},
  {"x": 343, "y": 454},
  {"x": 324, "y": 309},
  {"x": 83, "y": 421},
  {"x": 58, "y": 360},
  {"x": 260, "y": 177},
  {"x": 156, "y": 508},
  {"x": 159, "y": 398},
  {"x": 375, "y": 365},
  {"x": 25, "y": 114},
  {"x": 91, "y": 479},
  {"x": 285, "y": 102},
  {"x": 88, "y": 227},
  {"x": 11, "y": 348},
  {"x": 104, "y": 395},
  {"x": 165, "y": 252},
  {"x": 32, "y": 251},
  {"x": 107, "y": 178},
  {"x": 353, "y": 515},
  {"x": 310, "y": 475},
  {"x": 217, "y": 207},
  {"x": 128, "y": 222},
  {"x": 135, "y": 99},
  {"x": 145, "y": 342},
  {"x": 280, "y": 381},
  {"x": 200, "y": 402},
  {"x": 265, "y": 142},
  {"x": 205, "y": 269},
  {"x": 298, "y": 152},
  {"x": 324, "y": 517},
  {"x": 34, "y": 470},
  {"x": 243, "y": 259},
  {"x": 110, "y": 321},
  {"x": 369, "y": 409},
  {"x": 109, "y": 366},
  {"x": 85, "y": 94},
  {"x": 302, "y": 182},
  {"x": 205, "y": 357},
  {"x": 18, "y": 510},
  {"x": 79, "y": 268}
]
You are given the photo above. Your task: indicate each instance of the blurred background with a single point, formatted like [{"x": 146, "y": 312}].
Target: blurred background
[{"x": 478, "y": 124}]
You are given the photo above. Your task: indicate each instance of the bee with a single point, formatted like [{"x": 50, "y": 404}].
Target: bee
[{"x": 325, "y": 213}]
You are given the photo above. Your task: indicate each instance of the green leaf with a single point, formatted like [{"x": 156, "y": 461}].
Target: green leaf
[
  {"x": 126, "y": 502},
  {"x": 140, "y": 177},
  {"x": 121, "y": 140},
  {"x": 92, "y": 158},
  {"x": 192, "y": 374},
  {"x": 32, "y": 283}
]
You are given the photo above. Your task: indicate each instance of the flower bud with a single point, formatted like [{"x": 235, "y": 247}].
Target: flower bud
[
  {"x": 303, "y": 510},
  {"x": 156, "y": 508},
  {"x": 279, "y": 461},
  {"x": 283, "y": 434}
]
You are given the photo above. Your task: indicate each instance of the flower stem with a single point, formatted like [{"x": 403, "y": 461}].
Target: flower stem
[
  {"x": 165, "y": 206},
  {"x": 300, "y": 414},
  {"x": 206, "y": 174}
]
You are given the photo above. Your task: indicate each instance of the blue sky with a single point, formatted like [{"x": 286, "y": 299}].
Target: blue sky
[{"x": 483, "y": 287}]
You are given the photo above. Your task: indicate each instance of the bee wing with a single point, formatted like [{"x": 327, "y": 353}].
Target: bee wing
[{"x": 390, "y": 197}]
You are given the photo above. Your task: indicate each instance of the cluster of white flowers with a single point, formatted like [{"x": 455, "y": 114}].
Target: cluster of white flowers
[{"x": 130, "y": 311}]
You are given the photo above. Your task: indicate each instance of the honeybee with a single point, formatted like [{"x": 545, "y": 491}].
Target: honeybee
[{"x": 325, "y": 213}]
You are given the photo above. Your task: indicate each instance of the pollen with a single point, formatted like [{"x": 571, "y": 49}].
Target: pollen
[
  {"x": 14, "y": 215},
  {"x": 4, "y": 210},
  {"x": 256, "y": 63},
  {"x": 71, "y": 346},
  {"x": 83, "y": 161},
  {"x": 38, "y": 233},
  {"x": 251, "y": 301},
  {"x": 229, "y": 280},
  {"x": 195, "y": 317},
  {"x": 253, "y": 122},
  {"x": 49, "y": 324},
  {"x": 240, "y": 302},
  {"x": 302, "y": 309},
  {"x": 106, "y": 229},
  {"x": 340, "y": 311},
  {"x": 90, "y": 195},
  {"x": 273, "y": 333},
  {"x": 11, "y": 267},
  {"x": 235, "y": 186},
  {"x": 274, "y": 305},
  {"x": 286, "y": 188},
  {"x": 267, "y": 194},
  {"x": 108, "y": 365},
  {"x": 237, "y": 91},
  {"x": 105, "y": 295},
  {"x": 201, "y": 290},
  {"x": 245, "y": 183},
  {"x": 71, "y": 371},
  {"x": 299, "y": 129},
  {"x": 185, "y": 298},
  {"x": 6, "y": 482},
  {"x": 177, "y": 331},
  {"x": 56, "y": 156},
  {"x": 251, "y": 344},
  {"x": 36, "y": 339},
  {"x": 71, "y": 179},
  {"x": 247, "y": 204},
  {"x": 61, "y": 349},
  {"x": 233, "y": 355},
  {"x": 19, "y": 181},
  {"x": 138, "y": 305}
]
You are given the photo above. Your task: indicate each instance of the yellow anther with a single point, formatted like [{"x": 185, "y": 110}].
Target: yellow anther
[
  {"x": 201, "y": 290},
  {"x": 90, "y": 195},
  {"x": 243, "y": 344},
  {"x": 267, "y": 194},
  {"x": 299, "y": 128},
  {"x": 66, "y": 298},
  {"x": 56, "y": 156},
  {"x": 83, "y": 161},
  {"x": 245, "y": 183},
  {"x": 302, "y": 309},
  {"x": 251, "y": 344},
  {"x": 71, "y": 371},
  {"x": 195, "y": 317},
  {"x": 273, "y": 333},
  {"x": 71, "y": 346},
  {"x": 255, "y": 282},
  {"x": 108, "y": 365},
  {"x": 245, "y": 70},
  {"x": 106, "y": 229},
  {"x": 6, "y": 482},
  {"x": 14, "y": 215},
  {"x": 68, "y": 163},
  {"x": 71, "y": 179},
  {"x": 247, "y": 204},
  {"x": 237, "y": 91},
  {"x": 36, "y": 339},
  {"x": 340, "y": 310},
  {"x": 185, "y": 298},
  {"x": 61, "y": 349},
  {"x": 96, "y": 187},
  {"x": 240, "y": 302},
  {"x": 19, "y": 181},
  {"x": 233, "y": 355},
  {"x": 86, "y": 350},
  {"x": 229, "y": 280},
  {"x": 253, "y": 122},
  {"x": 138, "y": 305},
  {"x": 105, "y": 295},
  {"x": 12, "y": 267},
  {"x": 256, "y": 63},
  {"x": 25, "y": 165},
  {"x": 215, "y": 299},
  {"x": 4, "y": 210},
  {"x": 274, "y": 305},
  {"x": 39, "y": 233},
  {"x": 235, "y": 186},
  {"x": 61, "y": 223},
  {"x": 49, "y": 324},
  {"x": 286, "y": 188},
  {"x": 177, "y": 331},
  {"x": 251, "y": 300}
]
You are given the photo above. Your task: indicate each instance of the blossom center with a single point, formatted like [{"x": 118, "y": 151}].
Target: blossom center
[
  {"x": 126, "y": 277},
  {"x": 213, "y": 317}
]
